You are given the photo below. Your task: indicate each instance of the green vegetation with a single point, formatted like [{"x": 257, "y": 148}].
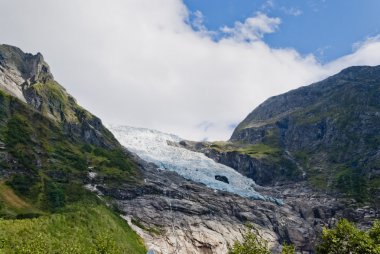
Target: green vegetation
[
  {"x": 84, "y": 227},
  {"x": 343, "y": 238},
  {"x": 253, "y": 243},
  {"x": 57, "y": 104},
  {"x": 43, "y": 205},
  {"x": 260, "y": 150},
  {"x": 47, "y": 163},
  {"x": 346, "y": 238},
  {"x": 333, "y": 127},
  {"x": 255, "y": 151},
  {"x": 352, "y": 182},
  {"x": 154, "y": 231},
  {"x": 12, "y": 206},
  {"x": 288, "y": 249}
]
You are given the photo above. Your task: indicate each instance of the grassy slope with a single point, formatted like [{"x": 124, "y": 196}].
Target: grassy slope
[
  {"x": 43, "y": 205},
  {"x": 84, "y": 227},
  {"x": 255, "y": 151}
]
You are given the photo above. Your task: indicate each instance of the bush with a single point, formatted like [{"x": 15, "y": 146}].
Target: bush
[
  {"x": 22, "y": 184},
  {"x": 346, "y": 238},
  {"x": 55, "y": 196},
  {"x": 253, "y": 243}
]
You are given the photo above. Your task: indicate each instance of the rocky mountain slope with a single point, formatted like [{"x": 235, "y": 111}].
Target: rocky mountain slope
[
  {"x": 60, "y": 166},
  {"x": 48, "y": 145},
  {"x": 326, "y": 134},
  {"x": 163, "y": 150},
  {"x": 193, "y": 215},
  {"x": 51, "y": 149}
]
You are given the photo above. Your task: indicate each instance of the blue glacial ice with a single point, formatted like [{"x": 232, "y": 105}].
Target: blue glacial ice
[{"x": 152, "y": 146}]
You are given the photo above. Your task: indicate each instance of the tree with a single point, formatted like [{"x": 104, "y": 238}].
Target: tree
[
  {"x": 253, "y": 243},
  {"x": 288, "y": 249},
  {"x": 346, "y": 238}
]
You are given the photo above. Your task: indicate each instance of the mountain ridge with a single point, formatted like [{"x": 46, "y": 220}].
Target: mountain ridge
[
  {"x": 58, "y": 162},
  {"x": 325, "y": 133}
]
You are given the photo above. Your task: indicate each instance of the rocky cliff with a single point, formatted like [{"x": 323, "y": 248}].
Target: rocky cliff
[{"x": 28, "y": 78}]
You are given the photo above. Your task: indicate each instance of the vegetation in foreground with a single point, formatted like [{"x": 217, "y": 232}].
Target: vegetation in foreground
[
  {"x": 84, "y": 227},
  {"x": 344, "y": 238},
  {"x": 43, "y": 205}
]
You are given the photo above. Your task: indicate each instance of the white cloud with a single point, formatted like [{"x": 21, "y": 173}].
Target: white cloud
[
  {"x": 139, "y": 62},
  {"x": 253, "y": 28},
  {"x": 268, "y": 5},
  {"x": 293, "y": 11},
  {"x": 198, "y": 20}
]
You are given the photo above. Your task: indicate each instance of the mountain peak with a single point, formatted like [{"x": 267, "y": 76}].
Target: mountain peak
[{"x": 19, "y": 70}]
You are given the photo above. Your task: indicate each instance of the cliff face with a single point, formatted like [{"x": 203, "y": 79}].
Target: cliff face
[
  {"x": 18, "y": 70},
  {"x": 28, "y": 78}
]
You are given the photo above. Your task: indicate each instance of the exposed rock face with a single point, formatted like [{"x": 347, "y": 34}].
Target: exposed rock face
[
  {"x": 28, "y": 78},
  {"x": 263, "y": 171},
  {"x": 18, "y": 70},
  {"x": 180, "y": 216},
  {"x": 175, "y": 215}
]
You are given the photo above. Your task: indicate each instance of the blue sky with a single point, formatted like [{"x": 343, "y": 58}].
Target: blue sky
[{"x": 309, "y": 26}]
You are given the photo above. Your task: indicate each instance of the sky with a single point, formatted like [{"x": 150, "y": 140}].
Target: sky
[{"x": 194, "y": 68}]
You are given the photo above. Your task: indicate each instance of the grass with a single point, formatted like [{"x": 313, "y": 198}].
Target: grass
[
  {"x": 255, "y": 151},
  {"x": 260, "y": 150},
  {"x": 11, "y": 199},
  {"x": 12, "y": 206},
  {"x": 86, "y": 227},
  {"x": 43, "y": 205},
  {"x": 56, "y": 101},
  {"x": 151, "y": 230}
]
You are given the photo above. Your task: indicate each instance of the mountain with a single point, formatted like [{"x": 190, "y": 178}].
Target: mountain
[
  {"x": 331, "y": 128},
  {"x": 316, "y": 147},
  {"x": 68, "y": 186},
  {"x": 64, "y": 178},
  {"x": 190, "y": 204},
  {"x": 48, "y": 147},
  {"x": 326, "y": 134}
]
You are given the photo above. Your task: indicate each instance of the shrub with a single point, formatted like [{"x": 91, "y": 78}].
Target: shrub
[{"x": 346, "y": 238}]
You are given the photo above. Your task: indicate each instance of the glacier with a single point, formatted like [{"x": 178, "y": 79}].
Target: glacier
[{"x": 153, "y": 146}]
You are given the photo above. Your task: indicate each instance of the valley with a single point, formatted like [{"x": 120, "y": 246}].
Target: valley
[{"x": 298, "y": 163}]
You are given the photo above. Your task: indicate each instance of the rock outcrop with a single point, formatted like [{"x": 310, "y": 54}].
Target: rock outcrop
[
  {"x": 175, "y": 215},
  {"x": 18, "y": 70},
  {"x": 28, "y": 78}
]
